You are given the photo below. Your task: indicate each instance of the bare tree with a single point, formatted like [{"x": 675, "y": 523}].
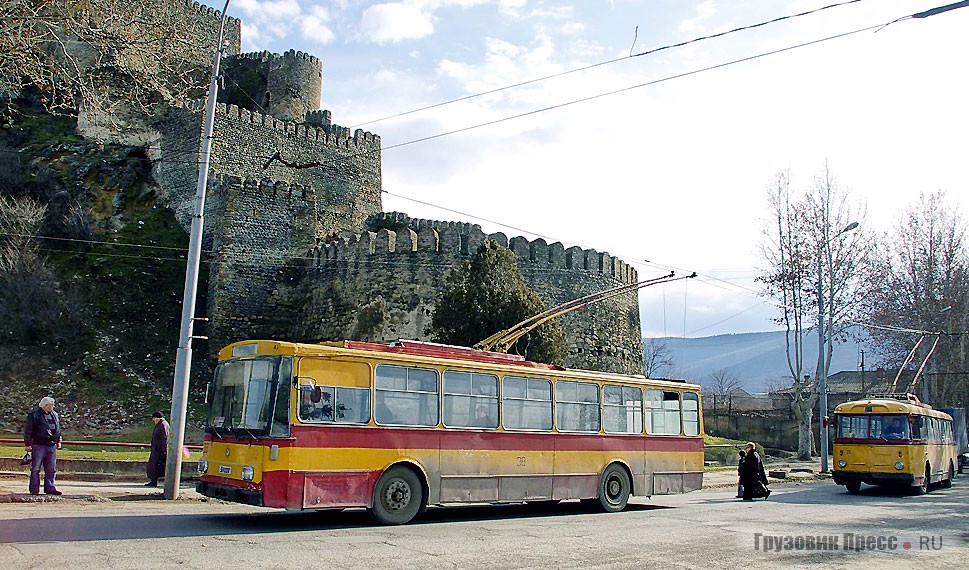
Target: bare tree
[
  {"x": 73, "y": 55},
  {"x": 657, "y": 358},
  {"x": 920, "y": 284},
  {"x": 722, "y": 382},
  {"x": 806, "y": 264},
  {"x": 19, "y": 221}
]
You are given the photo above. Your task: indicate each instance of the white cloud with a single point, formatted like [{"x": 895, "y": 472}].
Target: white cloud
[
  {"x": 314, "y": 26},
  {"x": 394, "y": 22},
  {"x": 705, "y": 11}
]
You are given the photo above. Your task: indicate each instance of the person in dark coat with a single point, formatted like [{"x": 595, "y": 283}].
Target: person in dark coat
[
  {"x": 740, "y": 467},
  {"x": 752, "y": 475},
  {"x": 159, "y": 449},
  {"x": 42, "y": 439}
]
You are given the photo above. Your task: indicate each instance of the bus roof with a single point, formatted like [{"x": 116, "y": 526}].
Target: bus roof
[
  {"x": 889, "y": 404},
  {"x": 430, "y": 353}
]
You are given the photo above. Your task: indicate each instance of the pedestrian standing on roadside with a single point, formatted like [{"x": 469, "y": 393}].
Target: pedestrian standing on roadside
[
  {"x": 740, "y": 474},
  {"x": 42, "y": 439},
  {"x": 158, "y": 456}
]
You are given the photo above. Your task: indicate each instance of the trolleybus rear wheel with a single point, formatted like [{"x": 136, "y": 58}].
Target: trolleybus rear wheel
[
  {"x": 397, "y": 497},
  {"x": 947, "y": 482},
  {"x": 614, "y": 489},
  {"x": 853, "y": 487}
]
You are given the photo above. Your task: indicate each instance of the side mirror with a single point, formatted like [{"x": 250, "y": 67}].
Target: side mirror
[{"x": 316, "y": 395}]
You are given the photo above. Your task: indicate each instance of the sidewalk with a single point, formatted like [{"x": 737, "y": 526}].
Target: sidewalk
[{"x": 794, "y": 472}]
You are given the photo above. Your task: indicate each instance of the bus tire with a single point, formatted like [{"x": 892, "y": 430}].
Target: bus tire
[
  {"x": 854, "y": 487},
  {"x": 614, "y": 489},
  {"x": 924, "y": 487},
  {"x": 947, "y": 482},
  {"x": 397, "y": 496}
]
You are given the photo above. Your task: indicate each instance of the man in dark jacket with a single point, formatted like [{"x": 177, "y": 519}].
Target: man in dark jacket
[
  {"x": 42, "y": 438},
  {"x": 159, "y": 449}
]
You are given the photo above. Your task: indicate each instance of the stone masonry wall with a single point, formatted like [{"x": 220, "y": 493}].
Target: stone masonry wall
[
  {"x": 257, "y": 218},
  {"x": 264, "y": 225},
  {"x": 345, "y": 179},
  {"x": 398, "y": 274},
  {"x": 285, "y": 86}
]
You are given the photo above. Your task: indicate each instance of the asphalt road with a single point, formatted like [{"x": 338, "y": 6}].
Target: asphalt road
[{"x": 706, "y": 529}]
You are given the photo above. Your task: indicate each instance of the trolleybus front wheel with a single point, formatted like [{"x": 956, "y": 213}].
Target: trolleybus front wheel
[
  {"x": 924, "y": 487},
  {"x": 614, "y": 489},
  {"x": 854, "y": 487},
  {"x": 397, "y": 497}
]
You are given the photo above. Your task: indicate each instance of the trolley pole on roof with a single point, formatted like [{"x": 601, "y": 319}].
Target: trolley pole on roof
[{"x": 183, "y": 357}]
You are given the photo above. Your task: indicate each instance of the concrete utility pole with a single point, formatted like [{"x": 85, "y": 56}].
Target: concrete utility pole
[
  {"x": 822, "y": 355},
  {"x": 183, "y": 358}
]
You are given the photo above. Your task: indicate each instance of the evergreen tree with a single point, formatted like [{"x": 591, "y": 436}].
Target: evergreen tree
[{"x": 488, "y": 294}]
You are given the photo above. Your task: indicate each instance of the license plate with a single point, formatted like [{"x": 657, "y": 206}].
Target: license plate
[{"x": 225, "y": 470}]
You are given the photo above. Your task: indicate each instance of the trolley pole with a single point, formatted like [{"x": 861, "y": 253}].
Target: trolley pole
[{"x": 183, "y": 357}]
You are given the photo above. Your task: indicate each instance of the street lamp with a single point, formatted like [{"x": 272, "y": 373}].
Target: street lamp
[{"x": 822, "y": 374}]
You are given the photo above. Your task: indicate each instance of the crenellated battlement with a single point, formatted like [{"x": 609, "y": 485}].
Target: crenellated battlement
[
  {"x": 322, "y": 118},
  {"x": 255, "y": 55},
  {"x": 333, "y": 135},
  {"x": 209, "y": 11},
  {"x": 294, "y": 54},
  {"x": 265, "y": 187},
  {"x": 457, "y": 239}
]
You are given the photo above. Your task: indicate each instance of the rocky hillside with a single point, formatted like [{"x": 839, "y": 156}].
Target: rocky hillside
[{"x": 90, "y": 306}]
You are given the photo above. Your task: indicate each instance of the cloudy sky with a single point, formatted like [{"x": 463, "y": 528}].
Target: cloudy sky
[{"x": 662, "y": 159}]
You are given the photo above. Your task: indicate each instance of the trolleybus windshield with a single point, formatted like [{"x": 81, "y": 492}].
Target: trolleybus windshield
[{"x": 250, "y": 397}]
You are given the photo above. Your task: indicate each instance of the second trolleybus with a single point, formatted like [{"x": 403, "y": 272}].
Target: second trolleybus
[{"x": 893, "y": 440}]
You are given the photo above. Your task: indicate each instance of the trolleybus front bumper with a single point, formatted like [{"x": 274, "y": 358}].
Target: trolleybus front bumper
[
  {"x": 227, "y": 493},
  {"x": 845, "y": 477}
]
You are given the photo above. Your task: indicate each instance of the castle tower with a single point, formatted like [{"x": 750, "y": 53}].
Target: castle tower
[{"x": 284, "y": 86}]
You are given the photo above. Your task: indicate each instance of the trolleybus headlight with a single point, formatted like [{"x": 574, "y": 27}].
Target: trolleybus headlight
[
  {"x": 203, "y": 465},
  {"x": 247, "y": 473},
  {"x": 899, "y": 465},
  {"x": 842, "y": 463}
]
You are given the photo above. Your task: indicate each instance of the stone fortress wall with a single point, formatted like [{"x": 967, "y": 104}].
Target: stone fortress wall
[{"x": 397, "y": 274}]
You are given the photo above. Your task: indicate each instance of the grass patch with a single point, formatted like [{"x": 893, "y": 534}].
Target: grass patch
[{"x": 92, "y": 452}]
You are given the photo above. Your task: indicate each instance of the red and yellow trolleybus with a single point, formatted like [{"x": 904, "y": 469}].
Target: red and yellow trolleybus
[{"x": 397, "y": 427}]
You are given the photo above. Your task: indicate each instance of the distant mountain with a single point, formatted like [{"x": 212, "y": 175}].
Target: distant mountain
[{"x": 755, "y": 358}]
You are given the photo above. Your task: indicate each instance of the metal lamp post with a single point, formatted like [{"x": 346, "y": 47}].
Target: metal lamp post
[
  {"x": 822, "y": 374},
  {"x": 183, "y": 358}
]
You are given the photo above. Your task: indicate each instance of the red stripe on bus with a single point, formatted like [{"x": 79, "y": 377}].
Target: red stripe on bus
[{"x": 403, "y": 438}]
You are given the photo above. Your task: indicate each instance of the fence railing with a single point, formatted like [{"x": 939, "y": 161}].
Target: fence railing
[{"x": 103, "y": 444}]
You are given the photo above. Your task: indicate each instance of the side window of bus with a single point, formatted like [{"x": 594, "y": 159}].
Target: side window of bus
[
  {"x": 526, "y": 403},
  {"x": 691, "y": 414},
  {"x": 470, "y": 399},
  {"x": 315, "y": 403},
  {"x": 576, "y": 406},
  {"x": 405, "y": 395},
  {"x": 663, "y": 409},
  {"x": 622, "y": 409},
  {"x": 918, "y": 429},
  {"x": 352, "y": 405}
]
